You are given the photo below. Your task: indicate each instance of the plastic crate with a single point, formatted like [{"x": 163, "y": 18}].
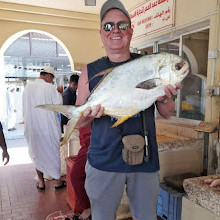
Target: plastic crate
[
  {"x": 169, "y": 204},
  {"x": 71, "y": 195}
]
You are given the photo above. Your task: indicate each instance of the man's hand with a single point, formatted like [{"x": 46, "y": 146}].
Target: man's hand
[
  {"x": 165, "y": 104},
  {"x": 169, "y": 91},
  {"x": 5, "y": 155},
  {"x": 97, "y": 112},
  {"x": 60, "y": 89},
  {"x": 89, "y": 115},
  {"x": 212, "y": 182}
]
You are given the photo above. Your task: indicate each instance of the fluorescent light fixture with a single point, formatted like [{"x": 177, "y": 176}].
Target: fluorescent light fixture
[{"x": 90, "y": 2}]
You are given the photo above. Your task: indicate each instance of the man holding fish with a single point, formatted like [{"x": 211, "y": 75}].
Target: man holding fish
[
  {"x": 107, "y": 173},
  {"x": 120, "y": 107}
]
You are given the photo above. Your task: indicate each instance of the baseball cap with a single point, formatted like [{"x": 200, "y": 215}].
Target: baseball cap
[
  {"x": 113, "y": 4},
  {"x": 48, "y": 69}
]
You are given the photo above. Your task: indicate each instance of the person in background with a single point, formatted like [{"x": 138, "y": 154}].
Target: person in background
[
  {"x": 78, "y": 175},
  {"x": 3, "y": 145},
  {"x": 60, "y": 89},
  {"x": 11, "y": 111},
  {"x": 69, "y": 97},
  {"x": 107, "y": 173},
  {"x": 42, "y": 127}
]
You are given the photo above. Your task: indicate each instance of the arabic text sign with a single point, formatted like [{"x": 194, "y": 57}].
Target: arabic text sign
[{"x": 151, "y": 16}]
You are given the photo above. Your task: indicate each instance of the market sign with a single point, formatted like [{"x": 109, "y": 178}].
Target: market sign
[{"x": 151, "y": 16}]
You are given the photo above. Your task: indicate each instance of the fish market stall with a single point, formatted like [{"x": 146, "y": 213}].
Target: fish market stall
[
  {"x": 187, "y": 28},
  {"x": 180, "y": 151},
  {"x": 180, "y": 147},
  {"x": 201, "y": 202}
]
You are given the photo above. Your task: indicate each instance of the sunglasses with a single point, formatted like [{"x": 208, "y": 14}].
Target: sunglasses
[{"x": 122, "y": 25}]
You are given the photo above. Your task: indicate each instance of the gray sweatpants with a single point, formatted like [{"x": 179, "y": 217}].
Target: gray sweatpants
[{"x": 105, "y": 191}]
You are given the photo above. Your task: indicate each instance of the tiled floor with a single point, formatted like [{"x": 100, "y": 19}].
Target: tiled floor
[
  {"x": 19, "y": 197},
  {"x": 21, "y": 200},
  {"x": 16, "y": 134}
]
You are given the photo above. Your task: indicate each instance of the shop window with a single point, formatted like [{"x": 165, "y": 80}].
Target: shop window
[
  {"x": 191, "y": 99},
  {"x": 195, "y": 47}
]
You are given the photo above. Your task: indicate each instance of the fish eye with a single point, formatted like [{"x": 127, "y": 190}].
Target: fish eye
[{"x": 178, "y": 66}]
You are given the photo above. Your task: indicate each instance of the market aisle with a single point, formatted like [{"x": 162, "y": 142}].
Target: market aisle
[{"x": 20, "y": 199}]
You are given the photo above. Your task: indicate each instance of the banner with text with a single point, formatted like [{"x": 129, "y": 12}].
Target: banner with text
[{"x": 151, "y": 16}]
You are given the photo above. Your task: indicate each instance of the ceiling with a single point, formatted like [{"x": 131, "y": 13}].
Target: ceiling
[
  {"x": 73, "y": 5},
  {"x": 25, "y": 57}
]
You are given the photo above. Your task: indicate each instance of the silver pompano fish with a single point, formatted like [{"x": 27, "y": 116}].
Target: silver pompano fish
[{"x": 129, "y": 88}]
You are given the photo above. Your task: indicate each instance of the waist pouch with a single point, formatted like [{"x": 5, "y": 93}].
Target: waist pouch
[{"x": 133, "y": 151}]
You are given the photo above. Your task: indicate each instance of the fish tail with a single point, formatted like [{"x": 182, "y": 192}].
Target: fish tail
[
  {"x": 70, "y": 127},
  {"x": 63, "y": 109},
  {"x": 73, "y": 113}
]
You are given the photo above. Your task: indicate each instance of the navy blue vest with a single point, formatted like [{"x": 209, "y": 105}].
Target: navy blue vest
[{"x": 105, "y": 151}]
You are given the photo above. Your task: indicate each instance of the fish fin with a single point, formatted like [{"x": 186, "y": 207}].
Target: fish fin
[
  {"x": 64, "y": 109},
  {"x": 105, "y": 73},
  {"x": 102, "y": 73},
  {"x": 121, "y": 120},
  {"x": 149, "y": 84},
  {"x": 70, "y": 127}
]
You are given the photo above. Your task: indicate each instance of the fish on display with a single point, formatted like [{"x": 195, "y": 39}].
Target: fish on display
[{"x": 127, "y": 89}]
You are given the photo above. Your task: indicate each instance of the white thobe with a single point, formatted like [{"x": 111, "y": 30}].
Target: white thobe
[
  {"x": 42, "y": 127},
  {"x": 10, "y": 109}
]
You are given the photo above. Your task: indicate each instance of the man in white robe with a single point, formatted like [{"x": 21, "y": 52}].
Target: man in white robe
[
  {"x": 11, "y": 111},
  {"x": 42, "y": 127}
]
